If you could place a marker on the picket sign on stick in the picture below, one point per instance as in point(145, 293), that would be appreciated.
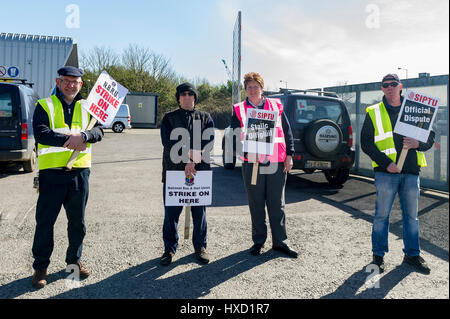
point(415, 119)
point(401, 159)
point(103, 102)
point(255, 173)
point(187, 221)
point(76, 153)
point(259, 136)
point(188, 191)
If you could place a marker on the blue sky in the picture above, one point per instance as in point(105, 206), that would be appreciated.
point(304, 43)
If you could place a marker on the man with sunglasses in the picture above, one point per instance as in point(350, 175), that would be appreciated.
point(184, 153)
point(384, 148)
point(59, 125)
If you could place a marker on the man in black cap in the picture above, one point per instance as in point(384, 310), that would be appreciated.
point(193, 156)
point(383, 146)
point(59, 124)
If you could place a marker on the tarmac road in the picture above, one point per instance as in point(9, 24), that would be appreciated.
point(330, 227)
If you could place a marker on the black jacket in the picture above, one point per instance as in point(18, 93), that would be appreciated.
point(45, 136)
point(188, 120)
point(368, 145)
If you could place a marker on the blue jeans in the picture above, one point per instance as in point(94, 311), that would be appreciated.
point(407, 187)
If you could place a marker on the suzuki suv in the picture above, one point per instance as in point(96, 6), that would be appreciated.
point(322, 133)
point(17, 104)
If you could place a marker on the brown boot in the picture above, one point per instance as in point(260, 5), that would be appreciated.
point(39, 279)
point(84, 272)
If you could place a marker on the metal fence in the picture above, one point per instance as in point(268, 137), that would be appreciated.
point(359, 96)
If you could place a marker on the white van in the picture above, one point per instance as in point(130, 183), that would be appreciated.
point(121, 121)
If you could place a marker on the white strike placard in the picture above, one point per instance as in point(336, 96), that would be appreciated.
point(417, 115)
point(188, 191)
point(259, 131)
point(105, 98)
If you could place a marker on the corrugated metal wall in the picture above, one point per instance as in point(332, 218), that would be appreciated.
point(36, 57)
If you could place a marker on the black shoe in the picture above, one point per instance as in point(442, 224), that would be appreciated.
point(286, 250)
point(255, 250)
point(379, 261)
point(166, 258)
point(417, 262)
point(202, 255)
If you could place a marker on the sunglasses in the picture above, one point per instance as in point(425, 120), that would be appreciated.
point(393, 84)
point(187, 93)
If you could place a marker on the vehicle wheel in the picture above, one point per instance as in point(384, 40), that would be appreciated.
point(30, 165)
point(118, 127)
point(323, 138)
point(337, 176)
point(228, 165)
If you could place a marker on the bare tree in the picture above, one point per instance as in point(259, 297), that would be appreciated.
point(140, 59)
point(136, 58)
point(98, 59)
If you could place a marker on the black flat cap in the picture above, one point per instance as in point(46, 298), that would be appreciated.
point(70, 71)
point(391, 77)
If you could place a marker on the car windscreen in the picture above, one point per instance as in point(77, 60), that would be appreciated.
point(309, 110)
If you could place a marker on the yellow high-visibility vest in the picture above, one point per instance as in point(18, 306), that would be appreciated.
point(384, 136)
point(53, 156)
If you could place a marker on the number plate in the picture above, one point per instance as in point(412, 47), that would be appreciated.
point(318, 164)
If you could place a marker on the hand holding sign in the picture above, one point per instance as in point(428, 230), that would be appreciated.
point(102, 103)
point(76, 143)
point(415, 121)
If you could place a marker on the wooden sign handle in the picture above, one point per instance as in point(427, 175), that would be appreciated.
point(402, 158)
point(187, 221)
point(75, 153)
point(255, 173)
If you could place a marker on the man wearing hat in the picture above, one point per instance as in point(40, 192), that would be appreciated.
point(384, 147)
point(188, 155)
point(59, 124)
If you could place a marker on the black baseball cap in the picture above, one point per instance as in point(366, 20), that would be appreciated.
point(70, 71)
point(391, 77)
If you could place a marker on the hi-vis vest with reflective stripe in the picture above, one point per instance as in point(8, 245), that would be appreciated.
point(384, 138)
point(279, 152)
point(53, 156)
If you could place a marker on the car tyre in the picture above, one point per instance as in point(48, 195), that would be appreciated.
point(30, 165)
point(337, 176)
point(231, 165)
point(228, 165)
point(118, 127)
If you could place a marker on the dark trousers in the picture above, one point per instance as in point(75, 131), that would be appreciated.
point(268, 191)
point(59, 188)
point(170, 226)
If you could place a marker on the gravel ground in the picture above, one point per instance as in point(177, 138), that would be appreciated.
point(330, 228)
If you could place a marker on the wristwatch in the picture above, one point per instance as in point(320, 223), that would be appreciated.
point(84, 136)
